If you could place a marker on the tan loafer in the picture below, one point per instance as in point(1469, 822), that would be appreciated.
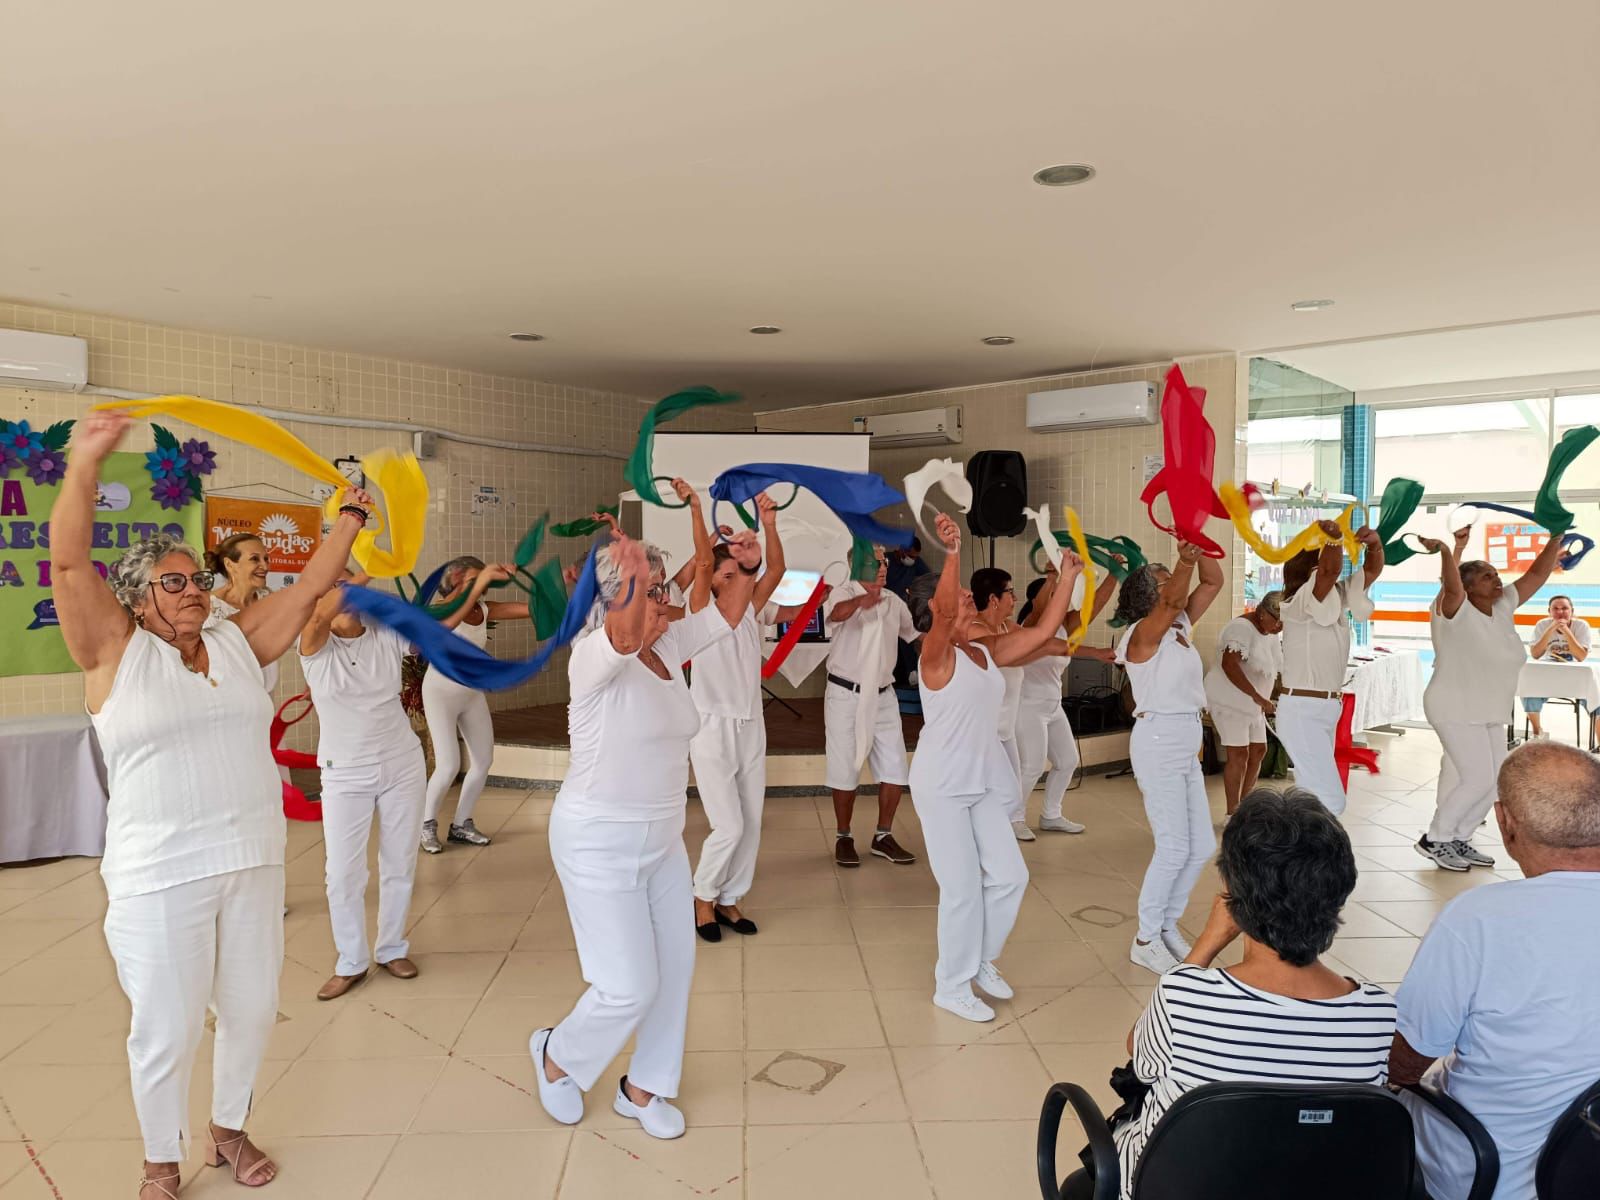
point(401, 968)
point(338, 985)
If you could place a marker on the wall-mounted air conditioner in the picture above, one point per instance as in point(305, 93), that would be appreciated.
point(43, 360)
point(930, 427)
point(1093, 407)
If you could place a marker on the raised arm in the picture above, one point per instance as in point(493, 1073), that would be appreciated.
point(1036, 613)
point(1329, 562)
point(625, 623)
point(692, 581)
point(1171, 601)
point(937, 658)
point(493, 573)
point(1372, 557)
point(314, 635)
point(1014, 647)
point(774, 565)
point(1536, 575)
point(1451, 592)
point(94, 625)
point(1207, 590)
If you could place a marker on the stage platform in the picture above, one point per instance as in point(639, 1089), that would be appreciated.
point(530, 746)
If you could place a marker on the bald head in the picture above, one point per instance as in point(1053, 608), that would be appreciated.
point(1553, 792)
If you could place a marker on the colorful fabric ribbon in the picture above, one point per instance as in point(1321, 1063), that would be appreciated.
point(1547, 506)
point(797, 628)
point(1569, 558)
point(398, 477)
point(458, 659)
point(297, 806)
point(943, 473)
point(1189, 448)
point(1052, 548)
point(1102, 551)
point(584, 526)
point(638, 469)
point(1399, 501)
point(863, 560)
point(852, 496)
point(1236, 506)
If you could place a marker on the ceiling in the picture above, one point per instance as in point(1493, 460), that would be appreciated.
point(642, 182)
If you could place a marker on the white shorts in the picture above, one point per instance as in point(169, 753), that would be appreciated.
point(888, 757)
point(1236, 727)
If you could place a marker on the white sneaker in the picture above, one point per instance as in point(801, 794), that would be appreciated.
point(1442, 853)
point(989, 980)
point(1020, 828)
point(1471, 855)
point(1174, 941)
point(1152, 956)
point(658, 1118)
point(965, 1005)
point(563, 1099)
point(430, 838)
point(1061, 825)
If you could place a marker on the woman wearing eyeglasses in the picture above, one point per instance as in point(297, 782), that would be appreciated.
point(193, 866)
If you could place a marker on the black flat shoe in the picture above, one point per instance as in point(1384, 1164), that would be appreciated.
point(709, 932)
point(742, 925)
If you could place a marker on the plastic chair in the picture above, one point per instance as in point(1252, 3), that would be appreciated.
point(1569, 1164)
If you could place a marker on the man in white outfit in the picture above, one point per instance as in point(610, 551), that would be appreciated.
point(372, 765)
point(861, 713)
point(1316, 611)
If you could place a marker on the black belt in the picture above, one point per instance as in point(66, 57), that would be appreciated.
point(850, 684)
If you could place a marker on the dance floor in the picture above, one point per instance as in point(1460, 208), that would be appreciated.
point(816, 1064)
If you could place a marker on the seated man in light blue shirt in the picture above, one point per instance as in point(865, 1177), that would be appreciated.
point(1501, 1006)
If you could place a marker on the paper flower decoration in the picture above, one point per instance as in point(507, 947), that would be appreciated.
point(165, 462)
point(198, 457)
point(8, 459)
point(174, 491)
point(23, 441)
point(47, 466)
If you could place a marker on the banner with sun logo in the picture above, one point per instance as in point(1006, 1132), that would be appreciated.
point(290, 532)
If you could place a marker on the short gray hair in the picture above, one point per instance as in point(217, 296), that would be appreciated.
point(130, 575)
point(1553, 790)
point(456, 568)
point(1471, 569)
point(608, 578)
point(1138, 593)
point(1270, 604)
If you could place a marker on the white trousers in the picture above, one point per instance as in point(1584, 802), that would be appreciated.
point(449, 707)
point(1044, 733)
point(1017, 810)
point(888, 757)
point(631, 905)
point(1307, 727)
point(214, 942)
point(393, 790)
point(981, 875)
point(1165, 750)
point(730, 772)
point(1468, 772)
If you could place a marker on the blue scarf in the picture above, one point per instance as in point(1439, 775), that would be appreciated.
point(852, 496)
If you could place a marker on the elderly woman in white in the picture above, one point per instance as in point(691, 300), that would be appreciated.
point(1239, 692)
point(195, 835)
point(616, 835)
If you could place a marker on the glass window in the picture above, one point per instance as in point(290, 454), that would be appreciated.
point(1584, 474)
point(1497, 446)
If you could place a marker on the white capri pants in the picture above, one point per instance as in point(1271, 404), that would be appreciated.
point(214, 942)
point(393, 790)
point(1307, 726)
point(1237, 727)
point(1018, 809)
point(449, 707)
point(888, 757)
point(1468, 772)
point(1165, 749)
point(631, 904)
point(730, 772)
point(981, 875)
point(1043, 732)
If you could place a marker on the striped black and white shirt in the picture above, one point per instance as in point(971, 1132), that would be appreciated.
point(1204, 1026)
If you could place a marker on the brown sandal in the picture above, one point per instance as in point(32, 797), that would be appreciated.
point(161, 1182)
point(249, 1179)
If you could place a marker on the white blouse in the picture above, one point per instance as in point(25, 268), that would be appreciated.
point(1172, 680)
point(1476, 659)
point(1261, 657)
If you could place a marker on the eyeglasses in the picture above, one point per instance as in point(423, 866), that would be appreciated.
point(1010, 591)
point(174, 582)
point(659, 592)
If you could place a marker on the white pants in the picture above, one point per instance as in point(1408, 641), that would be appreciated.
point(981, 875)
point(631, 905)
point(393, 789)
point(730, 771)
point(1018, 808)
point(888, 757)
point(1307, 726)
point(1468, 772)
point(1165, 750)
point(1044, 733)
point(214, 942)
point(448, 707)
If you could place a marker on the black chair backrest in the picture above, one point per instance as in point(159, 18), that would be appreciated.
point(1238, 1141)
point(1569, 1164)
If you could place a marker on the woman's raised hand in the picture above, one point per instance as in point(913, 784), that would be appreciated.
point(686, 493)
point(949, 532)
point(1190, 553)
point(98, 434)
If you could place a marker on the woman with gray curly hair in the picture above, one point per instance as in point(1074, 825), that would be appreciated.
point(616, 837)
point(194, 856)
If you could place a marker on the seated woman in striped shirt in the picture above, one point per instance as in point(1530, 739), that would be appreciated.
point(1279, 1016)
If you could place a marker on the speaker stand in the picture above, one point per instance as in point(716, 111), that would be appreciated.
point(991, 553)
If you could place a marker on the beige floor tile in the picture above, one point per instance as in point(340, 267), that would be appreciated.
point(1087, 1064)
point(330, 1097)
point(822, 1086)
point(20, 1022)
point(56, 980)
point(802, 968)
point(452, 934)
point(798, 1020)
point(440, 976)
point(113, 1116)
point(519, 1165)
point(390, 1027)
point(45, 1099)
point(1415, 917)
point(980, 1158)
point(1048, 964)
point(719, 968)
point(45, 876)
point(895, 926)
point(971, 1082)
point(481, 1093)
point(900, 965)
point(605, 1165)
point(465, 900)
point(1379, 960)
point(498, 1027)
point(802, 926)
point(548, 928)
point(300, 1021)
point(716, 1021)
point(95, 1031)
point(910, 1019)
point(1388, 885)
point(799, 1162)
point(309, 1168)
point(32, 934)
point(1084, 1014)
point(1365, 921)
point(816, 891)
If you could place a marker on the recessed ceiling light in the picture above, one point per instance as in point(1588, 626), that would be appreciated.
point(1311, 305)
point(999, 339)
point(765, 329)
point(1065, 175)
point(527, 337)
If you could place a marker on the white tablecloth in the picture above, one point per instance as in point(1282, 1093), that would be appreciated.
point(52, 789)
point(805, 658)
point(1387, 687)
point(1578, 681)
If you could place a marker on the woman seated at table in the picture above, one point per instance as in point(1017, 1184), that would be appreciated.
point(1561, 637)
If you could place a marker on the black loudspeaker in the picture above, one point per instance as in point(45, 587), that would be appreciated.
point(999, 480)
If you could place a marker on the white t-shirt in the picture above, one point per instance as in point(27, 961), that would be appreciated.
point(1558, 650)
point(1041, 679)
point(726, 679)
point(355, 684)
point(1173, 679)
point(1260, 656)
point(221, 610)
point(1316, 633)
point(1506, 979)
point(1476, 658)
point(1204, 1026)
point(886, 623)
point(629, 728)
